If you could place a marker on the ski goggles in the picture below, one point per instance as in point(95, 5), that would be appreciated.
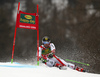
point(46, 42)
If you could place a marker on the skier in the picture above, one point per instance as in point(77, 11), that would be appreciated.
point(47, 56)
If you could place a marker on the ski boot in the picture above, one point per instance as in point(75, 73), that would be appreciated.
point(80, 69)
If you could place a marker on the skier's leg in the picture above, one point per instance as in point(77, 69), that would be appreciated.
point(58, 60)
point(64, 63)
point(70, 65)
point(50, 62)
point(53, 62)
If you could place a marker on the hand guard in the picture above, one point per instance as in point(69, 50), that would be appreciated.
point(50, 55)
point(43, 60)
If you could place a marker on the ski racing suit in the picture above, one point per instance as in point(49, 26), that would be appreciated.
point(54, 61)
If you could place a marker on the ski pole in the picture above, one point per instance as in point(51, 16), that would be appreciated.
point(77, 62)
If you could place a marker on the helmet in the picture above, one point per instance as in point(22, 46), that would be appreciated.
point(46, 40)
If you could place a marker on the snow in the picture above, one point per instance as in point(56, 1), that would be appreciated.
point(23, 70)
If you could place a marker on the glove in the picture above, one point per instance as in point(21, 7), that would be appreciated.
point(50, 55)
point(43, 60)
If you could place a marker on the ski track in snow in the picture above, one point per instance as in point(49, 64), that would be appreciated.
point(22, 70)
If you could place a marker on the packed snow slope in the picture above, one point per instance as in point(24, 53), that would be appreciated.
point(22, 70)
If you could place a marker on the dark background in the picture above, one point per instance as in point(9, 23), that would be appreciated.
point(72, 25)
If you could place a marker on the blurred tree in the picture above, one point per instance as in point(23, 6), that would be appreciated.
point(5, 38)
point(5, 29)
point(86, 29)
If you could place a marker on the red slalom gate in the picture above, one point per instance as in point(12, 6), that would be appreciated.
point(27, 21)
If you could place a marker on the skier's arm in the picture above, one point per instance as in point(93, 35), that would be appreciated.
point(52, 48)
point(40, 50)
